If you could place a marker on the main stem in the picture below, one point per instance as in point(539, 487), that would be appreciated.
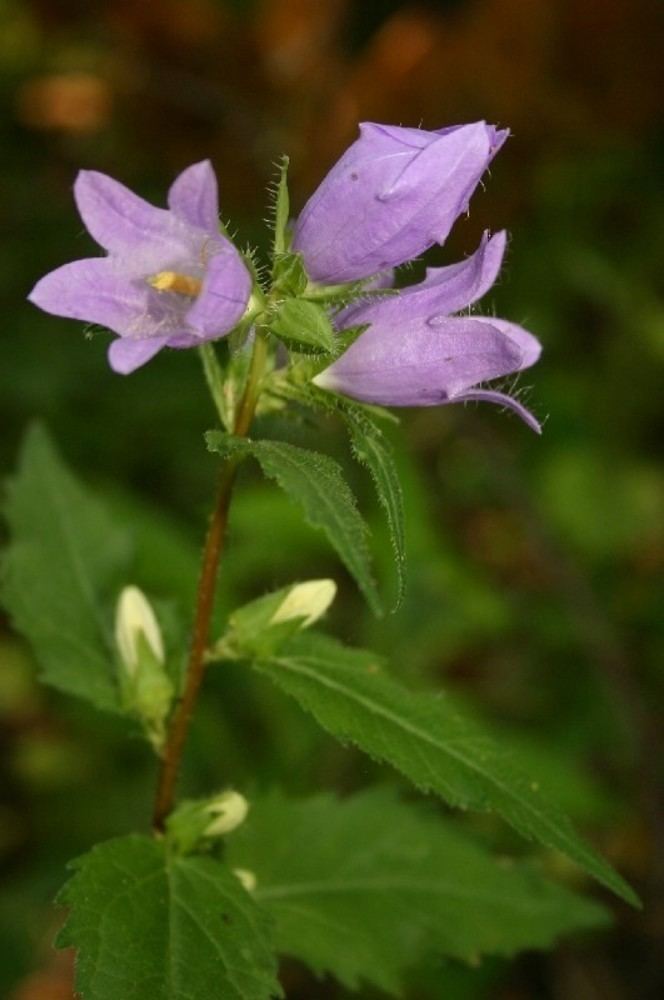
point(214, 543)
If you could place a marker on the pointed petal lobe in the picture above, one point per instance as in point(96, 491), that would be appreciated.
point(459, 285)
point(529, 345)
point(501, 399)
point(193, 196)
point(224, 295)
point(445, 290)
point(126, 354)
point(93, 290)
point(121, 222)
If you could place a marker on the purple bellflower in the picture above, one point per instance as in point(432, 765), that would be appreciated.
point(169, 279)
point(416, 352)
point(393, 194)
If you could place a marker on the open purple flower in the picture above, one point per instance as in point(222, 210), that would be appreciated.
point(417, 353)
point(394, 193)
point(170, 278)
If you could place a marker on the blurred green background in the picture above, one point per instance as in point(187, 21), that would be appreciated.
point(536, 590)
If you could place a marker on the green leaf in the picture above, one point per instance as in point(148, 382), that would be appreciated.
point(281, 210)
point(65, 563)
point(367, 888)
point(304, 326)
point(371, 448)
point(425, 738)
point(316, 482)
point(289, 274)
point(166, 927)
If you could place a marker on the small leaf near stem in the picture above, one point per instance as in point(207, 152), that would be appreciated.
point(181, 719)
point(281, 210)
point(214, 378)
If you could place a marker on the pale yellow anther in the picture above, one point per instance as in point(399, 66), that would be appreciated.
point(171, 281)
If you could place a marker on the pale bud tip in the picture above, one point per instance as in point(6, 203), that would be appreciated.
point(246, 878)
point(227, 812)
point(308, 600)
point(325, 379)
point(134, 617)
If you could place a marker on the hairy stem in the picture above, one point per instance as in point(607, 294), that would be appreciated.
point(214, 542)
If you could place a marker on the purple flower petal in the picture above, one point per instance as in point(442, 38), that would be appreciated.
point(225, 293)
point(126, 354)
point(501, 399)
point(395, 192)
point(145, 290)
point(529, 345)
point(92, 290)
point(444, 290)
point(193, 196)
point(459, 285)
point(121, 222)
point(418, 365)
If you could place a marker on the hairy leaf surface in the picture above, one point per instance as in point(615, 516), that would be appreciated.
point(304, 326)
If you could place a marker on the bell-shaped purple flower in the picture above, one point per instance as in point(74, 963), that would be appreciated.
point(417, 353)
point(170, 278)
point(394, 193)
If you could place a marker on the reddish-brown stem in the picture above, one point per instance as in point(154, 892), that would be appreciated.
point(179, 726)
point(214, 542)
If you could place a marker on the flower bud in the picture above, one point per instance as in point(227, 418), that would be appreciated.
point(260, 627)
point(246, 878)
point(228, 811)
point(394, 193)
point(134, 618)
point(308, 600)
point(145, 685)
point(414, 350)
point(197, 822)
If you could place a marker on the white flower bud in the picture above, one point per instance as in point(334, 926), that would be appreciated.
point(228, 811)
point(247, 878)
point(308, 600)
point(134, 618)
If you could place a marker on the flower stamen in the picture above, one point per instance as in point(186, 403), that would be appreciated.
point(171, 281)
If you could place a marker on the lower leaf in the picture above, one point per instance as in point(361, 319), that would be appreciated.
point(367, 888)
point(148, 924)
point(426, 738)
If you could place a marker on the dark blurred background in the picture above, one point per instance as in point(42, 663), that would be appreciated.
point(535, 564)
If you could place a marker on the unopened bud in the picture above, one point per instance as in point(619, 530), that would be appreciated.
point(228, 811)
point(247, 878)
point(135, 619)
point(196, 822)
point(308, 600)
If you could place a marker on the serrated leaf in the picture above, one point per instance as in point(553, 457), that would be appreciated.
point(149, 924)
point(315, 482)
point(425, 738)
point(367, 888)
point(304, 326)
point(372, 449)
point(66, 558)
